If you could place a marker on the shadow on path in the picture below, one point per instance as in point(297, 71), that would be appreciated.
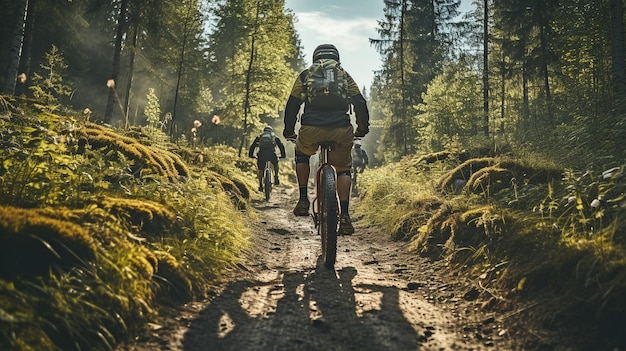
point(302, 310)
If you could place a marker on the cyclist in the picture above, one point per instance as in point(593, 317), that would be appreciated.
point(359, 158)
point(267, 143)
point(325, 124)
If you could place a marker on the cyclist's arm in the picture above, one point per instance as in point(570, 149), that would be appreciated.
point(281, 147)
point(253, 146)
point(293, 107)
point(362, 115)
point(360, 108)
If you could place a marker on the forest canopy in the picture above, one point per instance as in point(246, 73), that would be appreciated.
point(227, 64)
point(537, 76)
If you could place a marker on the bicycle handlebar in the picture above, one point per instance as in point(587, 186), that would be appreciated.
point(293, 140)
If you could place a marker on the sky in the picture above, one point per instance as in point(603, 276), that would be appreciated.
point(348, 24)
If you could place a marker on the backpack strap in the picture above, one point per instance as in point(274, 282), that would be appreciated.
point(303, 75)
point(303, 78)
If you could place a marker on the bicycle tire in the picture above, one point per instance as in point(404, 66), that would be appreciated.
point(267, 182)
point(329, 219)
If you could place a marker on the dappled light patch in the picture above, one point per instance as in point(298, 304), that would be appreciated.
point(261, 301)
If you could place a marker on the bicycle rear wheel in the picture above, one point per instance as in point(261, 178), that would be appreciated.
point(267, 182)
point(329, 219)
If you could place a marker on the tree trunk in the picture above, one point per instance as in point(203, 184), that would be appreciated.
point(486, 68)
point(181, 66)
point(617, 47)
point(131, 66)
point(246, 108)
point(15, 51)
point(402, 82)
point(27, 47)
point(544, 61)
point(525, 99)
point(115, 71)
point(502, 90)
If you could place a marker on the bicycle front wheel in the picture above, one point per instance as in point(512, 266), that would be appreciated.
point(267, 182)
point(329, 218)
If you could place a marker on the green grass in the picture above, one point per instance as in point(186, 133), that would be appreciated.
point(519, 227)
point(124, 222)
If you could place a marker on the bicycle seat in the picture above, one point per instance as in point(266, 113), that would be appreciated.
point(330, 145)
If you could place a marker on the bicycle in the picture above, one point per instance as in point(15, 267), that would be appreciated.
point(267, 179)
point(326, 205)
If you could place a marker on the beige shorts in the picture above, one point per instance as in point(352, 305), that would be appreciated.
point(309, 138)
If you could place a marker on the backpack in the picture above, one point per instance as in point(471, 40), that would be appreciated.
point(326, 85)
point(267, 140)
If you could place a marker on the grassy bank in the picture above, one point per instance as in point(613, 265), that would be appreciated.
point(518, 227)
point(99, 227)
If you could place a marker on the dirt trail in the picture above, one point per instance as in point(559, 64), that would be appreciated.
point(380, 297)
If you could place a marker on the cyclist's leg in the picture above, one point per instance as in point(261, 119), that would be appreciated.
point(341, 158)
point(306, 145)
point(344, 185)
point(275, 164)
point(260, 163)
point(358, 167)
point(344, 182)
point(302, 169)
point(302, 173)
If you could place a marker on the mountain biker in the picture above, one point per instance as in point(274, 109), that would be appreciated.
point(359, 158)
point(325, 124)
point(267, 143)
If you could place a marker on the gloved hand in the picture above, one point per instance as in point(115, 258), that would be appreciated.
point(290, 135)
point(360, 133)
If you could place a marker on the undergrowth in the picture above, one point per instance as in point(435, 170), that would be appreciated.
point(100, 227)
point(516, 227)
